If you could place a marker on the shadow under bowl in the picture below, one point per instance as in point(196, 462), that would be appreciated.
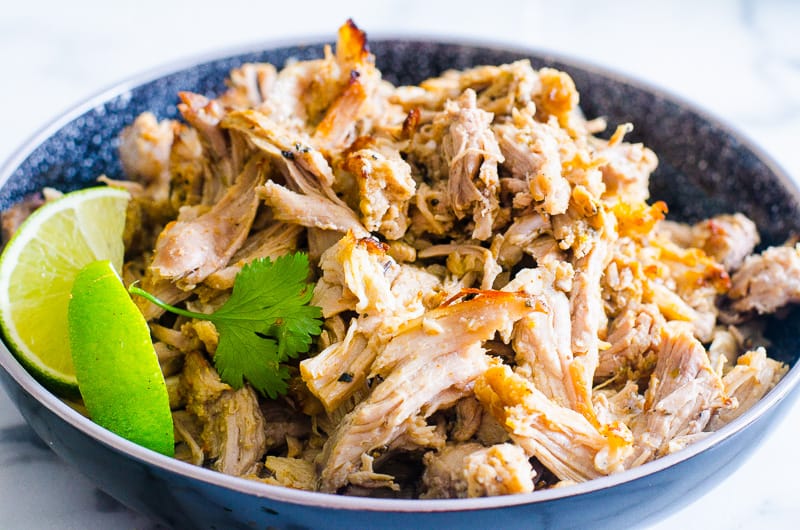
point(704, 169)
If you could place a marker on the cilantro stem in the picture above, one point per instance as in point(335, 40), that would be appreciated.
point(165, 306)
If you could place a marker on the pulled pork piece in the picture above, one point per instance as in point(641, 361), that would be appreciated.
point(472, 470)
point(531, 153)
point(490, 431)
point(618, 406)
point(272, 242)
point(305, 169)
point(472, 155)
point(337, 128)
point(144, 151)
point(587, 313)
point(519, 238)
point(462, 259)
point(341, 369)
point(500, 88)
point(692, 280)
point(626, 173)
point(359, 275)
point(361, 83)
point(309, 210)
point(633, 340)
point(189, 184)
point(729, 239)
point(187, 252)
point(429, 364)
point(295, 473)
point(541, 339)
point(233, 433)
point(767, 281)
point(205, 116)
point(188, 432)
point(384, 183)
point(502, 469)
point(562, 439)
point(444, 476)
point(356, 276)
point(432, 214)
point(416, 432)
point(725, 348)
point(451, 328)
point(684, 392)
point(469, 414)
point(581, 225)
point(420, 385)
point(753, 376)
point(308, 198)
point(558, 97)
point(182, 340)
point(249, 85)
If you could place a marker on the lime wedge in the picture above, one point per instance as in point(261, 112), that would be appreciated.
point(117, 368)
point(37, 269)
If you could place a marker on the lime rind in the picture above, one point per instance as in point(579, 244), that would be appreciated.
point(118, 372)
point(37, 269)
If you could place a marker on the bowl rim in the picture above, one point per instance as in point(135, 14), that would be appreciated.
point(350, 503)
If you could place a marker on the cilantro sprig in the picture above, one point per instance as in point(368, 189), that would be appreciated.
point(266, 321)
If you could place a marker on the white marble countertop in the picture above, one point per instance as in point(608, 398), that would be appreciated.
point(740, 60)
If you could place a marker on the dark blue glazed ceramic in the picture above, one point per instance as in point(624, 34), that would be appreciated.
point(704, 169)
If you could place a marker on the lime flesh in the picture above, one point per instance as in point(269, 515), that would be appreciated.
point(117, 369)
point(37, 269)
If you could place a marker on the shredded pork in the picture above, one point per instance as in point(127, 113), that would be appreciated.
point(502, 306)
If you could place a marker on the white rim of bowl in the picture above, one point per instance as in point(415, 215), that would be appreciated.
point(342, 502)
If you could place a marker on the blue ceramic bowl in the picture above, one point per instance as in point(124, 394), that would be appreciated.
point(704, 169)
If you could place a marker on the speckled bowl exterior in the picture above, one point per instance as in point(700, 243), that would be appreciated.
point(704, 169)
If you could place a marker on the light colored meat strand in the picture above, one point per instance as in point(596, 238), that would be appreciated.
point(472, 470)
point(767, 281)
point(683, 393)
point(451, 328)
point(754, 375)
point(634, 332)
point(233, 425)
point(563, 440)
point(542, 339)
point(309, 210)
point(531, 153)
point(627, 170)
point(472, 155)
point(144, 151)
point(462, 259)
point(430, 362)
point(272, 242)
point(587, 314)
point(502, 469)
point(385, 187)
point(341, 369)
point(418, 386)
point(356, 275)
point(729, 239)
point(443, 477)
point(187, 252)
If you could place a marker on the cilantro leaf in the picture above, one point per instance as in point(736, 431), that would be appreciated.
point(266, 321)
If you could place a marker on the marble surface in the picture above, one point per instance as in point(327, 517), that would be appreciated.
point(739, 60)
